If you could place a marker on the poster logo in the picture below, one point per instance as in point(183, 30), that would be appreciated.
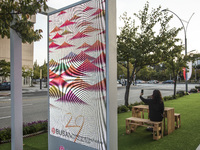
point(53, 130)
point(61, 148)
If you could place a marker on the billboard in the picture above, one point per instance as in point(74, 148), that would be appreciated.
point(77, 75)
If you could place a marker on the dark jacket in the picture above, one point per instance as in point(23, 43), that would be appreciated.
point(156, 109)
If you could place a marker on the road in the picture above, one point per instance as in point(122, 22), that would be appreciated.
point(35, 104)
point(166, 90)
point(35, 107)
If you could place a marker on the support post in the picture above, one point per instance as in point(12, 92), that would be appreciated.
point(16, 91)
point(40, 78)
point(112, 134)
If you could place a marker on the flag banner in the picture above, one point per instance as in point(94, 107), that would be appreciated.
point(77, 74)
point(189, 71)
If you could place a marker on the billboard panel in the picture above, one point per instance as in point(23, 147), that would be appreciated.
point(77, 74)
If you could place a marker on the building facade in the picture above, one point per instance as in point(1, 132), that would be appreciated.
point(27, 51)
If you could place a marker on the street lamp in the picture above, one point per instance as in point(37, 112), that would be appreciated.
point(185, 32)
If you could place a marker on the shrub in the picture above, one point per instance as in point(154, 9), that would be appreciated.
point(180, 93)
point(166, 98)
point(5, 134)
point(122, 108)
point(197, 87)
point(193, 91)
point(28, 128)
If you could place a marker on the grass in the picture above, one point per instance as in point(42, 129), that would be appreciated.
point(185, 138)
point(39, 142)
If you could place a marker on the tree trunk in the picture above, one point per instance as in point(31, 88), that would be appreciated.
point(175, 81)
point(127, 93)
point(175, 88)
point(127, 85)
point(129, 81)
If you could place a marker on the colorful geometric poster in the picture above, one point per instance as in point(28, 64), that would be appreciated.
point(77, 74)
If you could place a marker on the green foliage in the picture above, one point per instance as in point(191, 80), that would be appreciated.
point(172, 97)
point(180, 93)
point(5, 134)
point(198, 66)
point(166, 98)
point(36, 70)
point(17, 15)
point(28, 128)
point(26, 72)
point(197, 87)
point(135, 104)
point(143, 46)
point(4, 68)
point(185, 138)
point(44, 69)
point(121, 71)
point(193, 90)
point(122, 108)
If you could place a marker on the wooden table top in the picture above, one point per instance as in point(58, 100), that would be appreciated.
point(147, 107)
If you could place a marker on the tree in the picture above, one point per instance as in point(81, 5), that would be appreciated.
point(175, 63)
point(198, 66)
point(142, 45)
point(44, 70)
point(4, 69)
point(36, 70)
point(26, 72)
point(121, 71)
point(23, 10)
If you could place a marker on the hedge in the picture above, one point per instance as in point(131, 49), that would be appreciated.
point(28, 128)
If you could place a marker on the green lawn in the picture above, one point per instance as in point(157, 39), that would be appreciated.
point(185, 138)
point(39, 142)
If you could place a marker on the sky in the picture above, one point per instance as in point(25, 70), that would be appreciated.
point(184, 10)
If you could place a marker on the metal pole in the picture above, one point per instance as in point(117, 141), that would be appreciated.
point(186, 83)
point(195, 73)
point(16, 90)
point(40, 78)
point(185, 31)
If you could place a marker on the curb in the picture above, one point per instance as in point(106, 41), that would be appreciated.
point(4, 94)
point(25, 136)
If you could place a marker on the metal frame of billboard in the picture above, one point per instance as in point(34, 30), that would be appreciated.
point(111, 110)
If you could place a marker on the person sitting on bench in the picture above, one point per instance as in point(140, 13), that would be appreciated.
point(156, 106)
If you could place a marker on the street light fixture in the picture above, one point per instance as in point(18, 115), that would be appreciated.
point(185, 32)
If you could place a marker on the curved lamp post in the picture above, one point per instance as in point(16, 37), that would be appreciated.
point(185, 32)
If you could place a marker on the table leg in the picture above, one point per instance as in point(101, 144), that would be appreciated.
point(170, 121)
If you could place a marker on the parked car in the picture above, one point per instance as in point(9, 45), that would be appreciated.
point(140, 81)
point(5, 86)
point(168, 82)
point(153, 81)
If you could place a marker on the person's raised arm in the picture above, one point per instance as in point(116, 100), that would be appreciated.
point(146, 101)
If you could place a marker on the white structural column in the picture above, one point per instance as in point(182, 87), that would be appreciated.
point(16, 91)
point(112, 129)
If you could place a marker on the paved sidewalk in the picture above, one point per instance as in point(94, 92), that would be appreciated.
point(25, 89)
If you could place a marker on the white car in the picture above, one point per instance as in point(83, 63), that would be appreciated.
point(140, 81)
point(153, 81)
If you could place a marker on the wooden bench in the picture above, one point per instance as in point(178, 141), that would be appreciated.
point(177, 120)
point(133, 122)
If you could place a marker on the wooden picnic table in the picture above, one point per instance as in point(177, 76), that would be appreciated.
point(139, 110)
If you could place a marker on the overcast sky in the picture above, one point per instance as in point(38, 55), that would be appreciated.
point(183, 8)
